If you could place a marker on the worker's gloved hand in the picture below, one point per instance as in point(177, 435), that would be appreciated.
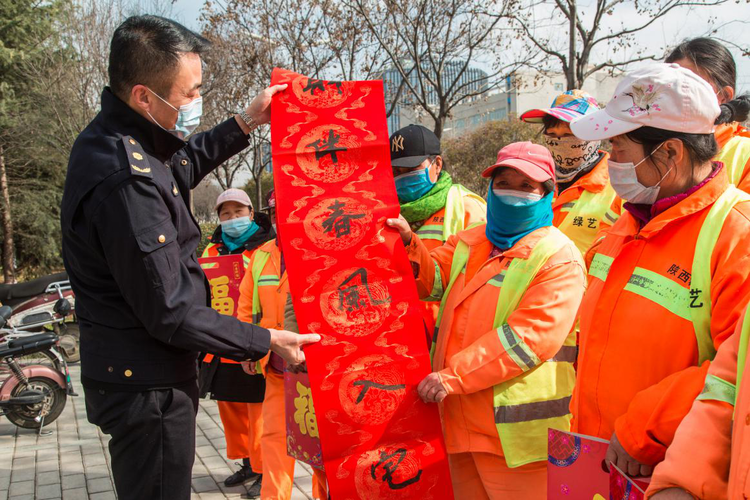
point(289, 345)
point(431, 390)
point(622, 459)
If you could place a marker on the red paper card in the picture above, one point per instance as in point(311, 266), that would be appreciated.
point(576, 468)
point(224, 274)
point(302, 437)
point(621, 487)
point(351, 282)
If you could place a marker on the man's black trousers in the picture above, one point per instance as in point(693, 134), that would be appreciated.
point(153, 439)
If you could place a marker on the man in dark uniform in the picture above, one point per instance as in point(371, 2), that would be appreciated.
point(129, 244)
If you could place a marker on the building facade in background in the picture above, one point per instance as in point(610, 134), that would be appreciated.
point(512, 97)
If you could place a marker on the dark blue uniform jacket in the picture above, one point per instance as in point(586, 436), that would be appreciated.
point(129, 242)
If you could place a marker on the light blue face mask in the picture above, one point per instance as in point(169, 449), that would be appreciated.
point(234, 228)
point(413, 185)
point(188, 116)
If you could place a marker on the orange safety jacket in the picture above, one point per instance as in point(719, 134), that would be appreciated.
point(470, 355)
point(710, 454)
point(734, 152)
point(272, 287)
point(432, 235)
point(639, 367)
point(587, 208)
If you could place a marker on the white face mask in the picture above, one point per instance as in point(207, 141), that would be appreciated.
point(624, 180)
point(188, 116)
point(516, 198)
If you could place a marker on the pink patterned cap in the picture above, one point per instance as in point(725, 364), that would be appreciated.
point(661, 95)
point(566, 107)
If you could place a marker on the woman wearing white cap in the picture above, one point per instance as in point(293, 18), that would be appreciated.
point(665, 283)
point(711, 60)
point(239, 395)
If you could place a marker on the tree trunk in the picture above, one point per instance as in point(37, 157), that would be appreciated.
point(258, 169)
point(572, 63)
point(9, 270)
point(439, 124)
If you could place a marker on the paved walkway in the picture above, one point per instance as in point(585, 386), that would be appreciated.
point(71, 460)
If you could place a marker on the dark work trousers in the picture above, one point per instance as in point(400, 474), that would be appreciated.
point(153, 439)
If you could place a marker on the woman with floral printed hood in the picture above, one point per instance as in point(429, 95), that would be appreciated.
point(585, 201)
point(665, 282)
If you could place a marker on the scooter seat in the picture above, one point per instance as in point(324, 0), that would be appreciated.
point(9, 293)
point(28, 345)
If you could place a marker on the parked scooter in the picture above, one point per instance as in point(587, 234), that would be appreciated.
point(36, 309)
point(32, 396)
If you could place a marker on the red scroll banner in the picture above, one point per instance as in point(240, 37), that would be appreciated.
point(352, 283)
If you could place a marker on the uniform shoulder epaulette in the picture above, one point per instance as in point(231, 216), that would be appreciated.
point(136, 157)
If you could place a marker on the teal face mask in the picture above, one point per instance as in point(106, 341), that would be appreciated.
point(188, 116)
point(234, 228)
point(511, 215)
point(413, 185)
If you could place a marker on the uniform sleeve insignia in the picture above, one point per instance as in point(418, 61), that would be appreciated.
point(146, 170)
point(138, 160)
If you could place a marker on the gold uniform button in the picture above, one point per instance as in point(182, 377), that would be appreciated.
point(132, 141)
point(110, 369)
point(137, 156)
point(175, 191)
point(128, 373)
point(162, 238)
point(183, 162)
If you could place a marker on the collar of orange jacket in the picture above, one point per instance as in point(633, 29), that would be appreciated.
point(726, 131)
point(595, 181)
point(704, 197)
point(477, 241)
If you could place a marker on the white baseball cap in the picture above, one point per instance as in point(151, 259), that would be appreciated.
point(233, 194)
point(661, 95)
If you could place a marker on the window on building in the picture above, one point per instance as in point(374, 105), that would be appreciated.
point(460, 123)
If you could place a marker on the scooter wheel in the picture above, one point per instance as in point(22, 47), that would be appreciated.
point(51, 407)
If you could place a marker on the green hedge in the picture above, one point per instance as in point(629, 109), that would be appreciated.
point(207, 229)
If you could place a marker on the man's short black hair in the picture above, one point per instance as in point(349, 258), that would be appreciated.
point(146, 50)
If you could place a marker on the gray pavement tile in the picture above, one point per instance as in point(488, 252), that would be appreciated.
point(44, 478)
point(96, 472)
point(21, 475)
point(21, 488)
point(21, 497)
point(74, 481)
point(99, 485)
point(76, 494)
point(108, 495)
point(94, 459)
point(3, 494)
point(206, 451)
point(48, 491)
point(48, 465)
point(204, 484)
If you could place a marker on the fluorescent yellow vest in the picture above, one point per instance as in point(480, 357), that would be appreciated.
point(539, 399)
point(588, 206)
point(455, 215)
point(734, 155)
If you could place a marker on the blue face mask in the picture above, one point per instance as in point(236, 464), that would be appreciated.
point(235, 232)
point(412, 186)
point(511, 215)
point(188, 116)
